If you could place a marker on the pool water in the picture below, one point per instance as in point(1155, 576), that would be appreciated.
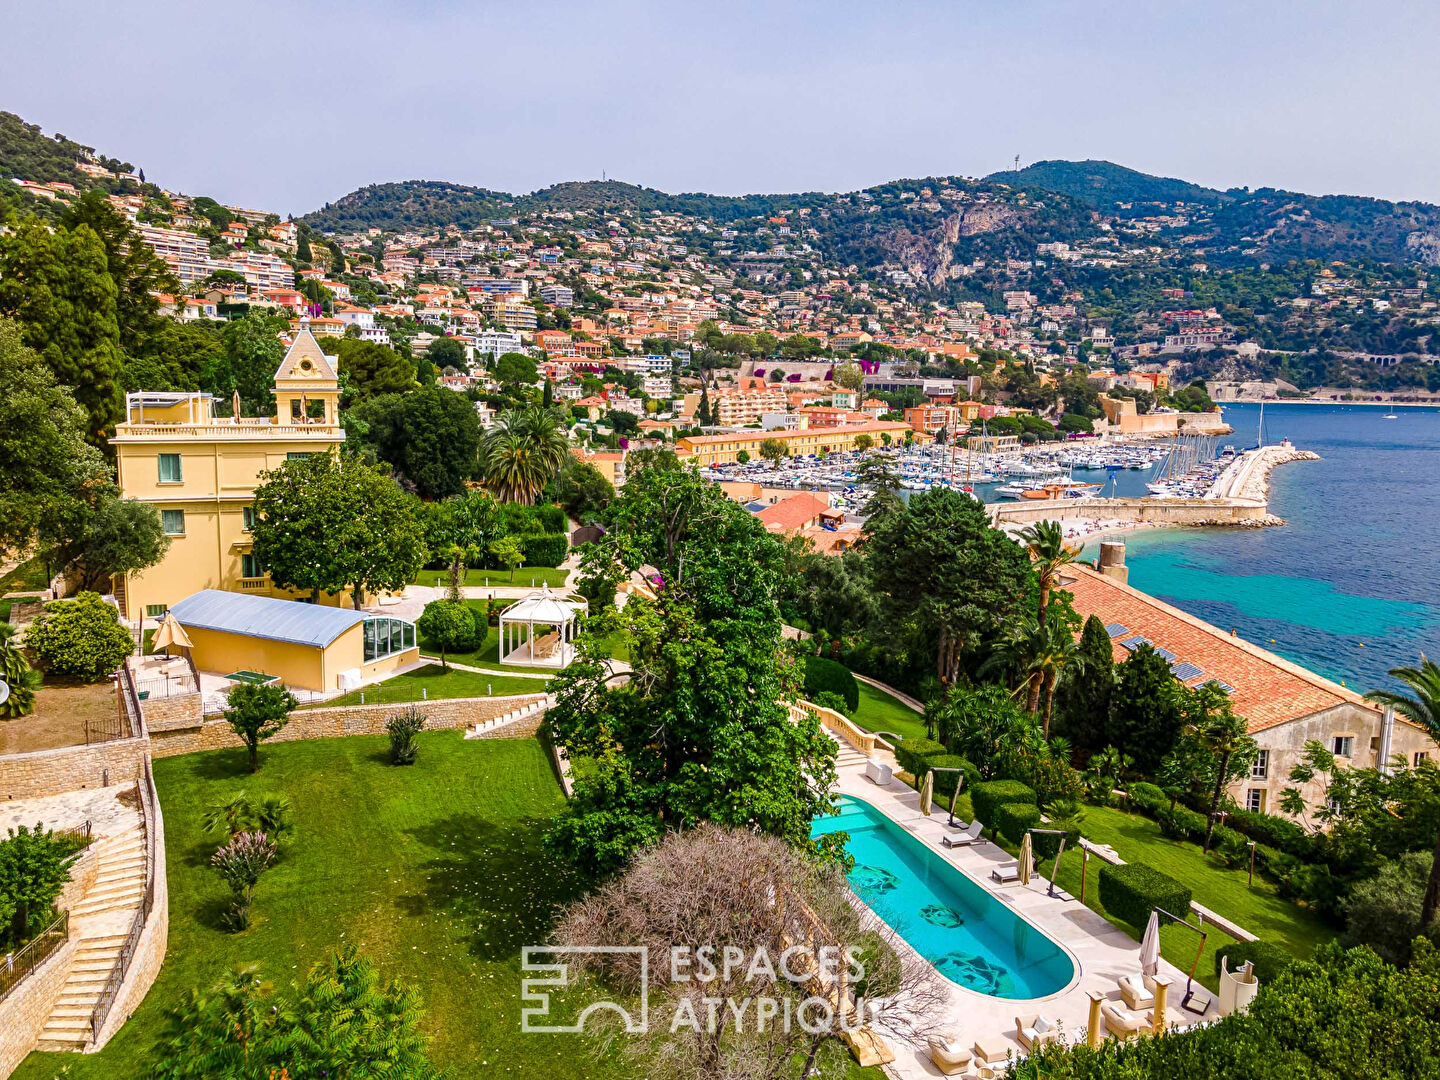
point(971, 937)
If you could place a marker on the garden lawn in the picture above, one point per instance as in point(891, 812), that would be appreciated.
point(29, 576)
point(436, 871)
point(526, 577)
point(879, 711)
point(1257, 909)
point(433, 682)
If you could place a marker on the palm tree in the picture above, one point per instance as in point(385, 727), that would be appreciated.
point(1423, 710)
point(1045, 540)
point(521, 451)
point(1040, 653)
point(1225, 737)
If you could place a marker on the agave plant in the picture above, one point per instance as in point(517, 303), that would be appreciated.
point(16, 672)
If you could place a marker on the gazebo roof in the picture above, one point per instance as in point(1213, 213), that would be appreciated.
point(542, 607)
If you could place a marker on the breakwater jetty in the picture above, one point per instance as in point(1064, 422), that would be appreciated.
point(1239, 498)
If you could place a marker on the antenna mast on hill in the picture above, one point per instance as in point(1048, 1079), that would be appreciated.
point(1017, 162)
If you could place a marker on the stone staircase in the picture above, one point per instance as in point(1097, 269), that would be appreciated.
point(514, 716)
point(101, 922)
point(847, 756)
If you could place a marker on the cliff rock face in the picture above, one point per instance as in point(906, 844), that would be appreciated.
point(929, 255)
point(1424, 245)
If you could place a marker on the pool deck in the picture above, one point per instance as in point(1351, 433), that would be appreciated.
point(1102, 953)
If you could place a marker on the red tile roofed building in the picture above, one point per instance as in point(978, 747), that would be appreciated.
point(794, 513)
point(1284, 704)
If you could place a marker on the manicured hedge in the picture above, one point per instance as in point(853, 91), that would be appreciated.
point(1276, 832)
point(1180, 823)
point(1130, 891)
point(547, 550)
point(911, 754)
point(1146, 797)
point(1014, 820)
point(480, 616)
point(822, 674)
point(551, 518)
point(945, 781)
point(988, 797)
point(1269, 960)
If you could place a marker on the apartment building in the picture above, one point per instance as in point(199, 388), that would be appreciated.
point(737, 408)
point(561, 296)
point(805, 442)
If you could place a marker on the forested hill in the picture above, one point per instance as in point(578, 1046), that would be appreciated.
point(431, 204)
point(1102, 183)
point(27, 153)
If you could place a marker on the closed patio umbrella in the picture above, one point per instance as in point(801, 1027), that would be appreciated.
point(1150, 947)
point(170, 634)
point(927, 793)
point(1026, 859)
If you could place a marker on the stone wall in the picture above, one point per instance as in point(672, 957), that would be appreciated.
point(521, 729)
point(341, 720)
point(70, 768)
point(1158, 511)
point(82, 879)
point(179, 710)
point(26, 1008)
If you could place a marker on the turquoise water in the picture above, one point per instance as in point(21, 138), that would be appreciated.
point(1349, 586)
point(972, 938)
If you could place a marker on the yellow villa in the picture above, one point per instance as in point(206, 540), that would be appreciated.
point(200, 471)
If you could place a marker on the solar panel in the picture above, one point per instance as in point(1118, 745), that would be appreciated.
point(1115, 629)
point(1222, 685)
point(1133, 643)
point(1164, 654)
point(1185, 671)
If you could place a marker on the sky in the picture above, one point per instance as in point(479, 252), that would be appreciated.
point(285, 106)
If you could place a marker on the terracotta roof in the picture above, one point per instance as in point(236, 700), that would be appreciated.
point(1268, 689)
point(793, 513)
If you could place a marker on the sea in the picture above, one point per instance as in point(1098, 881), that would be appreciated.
point(1349, 587)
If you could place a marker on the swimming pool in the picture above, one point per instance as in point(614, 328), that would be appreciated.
point(971, 937)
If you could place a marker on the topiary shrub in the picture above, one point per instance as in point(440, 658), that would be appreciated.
point(828, 699)
point(1146, 798)
point(1269, 960)
point(1014, 820)
point(549, 549)
point(945, 781)
point(480, 617)
point(1130, 891)
point(988, 797)
point(822, 674)
point(911, 754)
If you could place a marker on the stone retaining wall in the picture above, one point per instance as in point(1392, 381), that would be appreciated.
point(1157, 511)
point(179, 710)
point(26, 1008)
point(70, 768)
point(326, 723)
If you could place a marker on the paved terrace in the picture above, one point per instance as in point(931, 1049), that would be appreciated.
point(1102, 952)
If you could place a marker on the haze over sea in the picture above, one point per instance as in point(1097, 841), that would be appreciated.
point(1350, 586)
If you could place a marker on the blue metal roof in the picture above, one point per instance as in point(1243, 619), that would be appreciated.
point(265, 617)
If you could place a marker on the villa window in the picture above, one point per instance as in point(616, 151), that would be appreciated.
point(1421, 755)
point(298, 455)
point(386, 637)
point(170, 469)
point(1343, 746)
point(1261, 769)
point(1255, 800)
point(250, 566)
point(247, 518)
point(156, 611)
point(172, 522)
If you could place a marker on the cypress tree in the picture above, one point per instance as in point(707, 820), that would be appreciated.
point(1085, 693)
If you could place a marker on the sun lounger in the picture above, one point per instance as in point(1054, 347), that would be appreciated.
point(965, 837)
point(949, 1056)
point(1006, 872)
point(1137, 992)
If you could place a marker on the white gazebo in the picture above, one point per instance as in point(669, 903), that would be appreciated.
point(554, 615)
